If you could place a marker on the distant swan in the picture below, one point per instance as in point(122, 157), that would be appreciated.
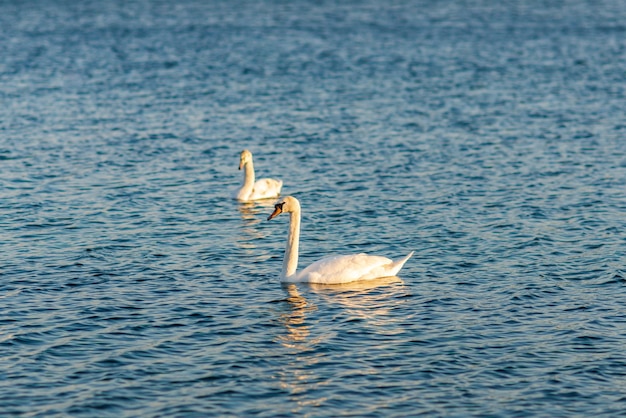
point(332, 269)
point(251, 190)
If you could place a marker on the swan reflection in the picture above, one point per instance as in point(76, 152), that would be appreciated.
point(372, 300)
point(294, 320)
point(359, 286)
point(369, 299)
point(251, 215)
point(253, 212)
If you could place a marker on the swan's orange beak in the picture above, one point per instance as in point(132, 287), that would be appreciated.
point(240, 164)
point(278, 209)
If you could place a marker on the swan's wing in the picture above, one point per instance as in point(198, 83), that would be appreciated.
point(347, 268)
point(266, 188)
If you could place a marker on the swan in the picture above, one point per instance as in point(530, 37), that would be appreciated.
point(251, 190)
point(335, 269)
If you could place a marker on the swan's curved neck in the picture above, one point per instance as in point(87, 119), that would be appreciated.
point(248, 179)
point(290, 263)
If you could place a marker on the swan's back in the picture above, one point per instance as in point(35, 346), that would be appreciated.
point(349, 268)
point(266, 189)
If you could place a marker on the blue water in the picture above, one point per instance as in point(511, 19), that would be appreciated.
point(488, 136)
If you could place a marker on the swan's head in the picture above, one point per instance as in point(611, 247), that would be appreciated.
point(287, 204)
point(244, 158)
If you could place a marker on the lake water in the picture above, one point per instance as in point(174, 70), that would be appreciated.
point(487, 136)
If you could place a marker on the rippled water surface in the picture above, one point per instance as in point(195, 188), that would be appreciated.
point(488, 136)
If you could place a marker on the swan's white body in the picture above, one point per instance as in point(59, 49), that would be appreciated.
point(255, 190)
point(334, 269)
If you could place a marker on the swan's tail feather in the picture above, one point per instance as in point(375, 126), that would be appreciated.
point(397, 265)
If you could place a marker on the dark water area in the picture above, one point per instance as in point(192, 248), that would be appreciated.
point(489, 137)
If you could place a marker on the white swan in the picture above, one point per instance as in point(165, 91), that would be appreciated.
point(251, 190)
point(334, 269)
